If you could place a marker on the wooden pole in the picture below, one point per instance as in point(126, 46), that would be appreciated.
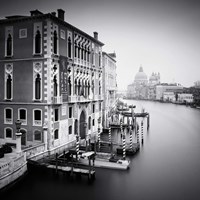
point(142, 137)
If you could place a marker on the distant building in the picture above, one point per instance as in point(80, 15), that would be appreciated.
point(51, 76)
point(162, 88)
point(169, 97)
point(185, 98)
point(141, 88)
point(109, 85)
point(197, 84)
point(138, 89)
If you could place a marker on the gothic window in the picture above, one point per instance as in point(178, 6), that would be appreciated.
point(88, 57)
point(82, 52)
point(93, 108)
point(55, 43)
point(75, 53)
point(88, 88)
point(9, 87)
point(56, 134)
point(9, 45)
point(8, 81)
point(75, 90)
point(55, 86)
point(38, 87)
point(69, 47)
point(37, 81)
point(38, 42)
point(93, 122)
point(8, 133)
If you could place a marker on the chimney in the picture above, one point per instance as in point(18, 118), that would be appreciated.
point(95, 35)
point(61, 14)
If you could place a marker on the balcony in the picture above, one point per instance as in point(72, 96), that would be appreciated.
point(72, 99)
point(58, 100)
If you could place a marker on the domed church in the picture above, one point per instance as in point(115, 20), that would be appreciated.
point(141, 88)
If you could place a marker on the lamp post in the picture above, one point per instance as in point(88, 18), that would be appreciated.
point(18, 136)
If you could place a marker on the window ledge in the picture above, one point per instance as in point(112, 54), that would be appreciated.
point(8, 56)
point(37, 54)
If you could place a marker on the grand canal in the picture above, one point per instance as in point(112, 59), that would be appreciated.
point(166, 168)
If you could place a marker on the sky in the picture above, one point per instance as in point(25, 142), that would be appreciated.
point(159, 35)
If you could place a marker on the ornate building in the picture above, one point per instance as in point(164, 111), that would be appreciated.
point(109, 85)
point(52, 80)
point(138, 89)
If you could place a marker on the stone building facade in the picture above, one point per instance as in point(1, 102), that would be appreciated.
point(109, 86)
point(51, 76)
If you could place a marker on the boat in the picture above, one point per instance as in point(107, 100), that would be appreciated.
point(103, 160)
point(13, 166)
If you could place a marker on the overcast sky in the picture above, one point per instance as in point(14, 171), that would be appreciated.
point(161, 35)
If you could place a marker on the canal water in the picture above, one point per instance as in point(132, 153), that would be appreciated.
point(167, 166)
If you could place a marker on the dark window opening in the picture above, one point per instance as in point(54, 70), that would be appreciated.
point(69, 47)
point(56, 134)
point(8, 114)
point(9, 45)
point(70, 112)
point(55, 86)
point(70, 130)
point(55, 43)
point(56, 115)
point(8, 133)
point(37, 135)
point(37, 115)
point(22, 114)
point(38, 42)
point(37, 87)
point(9, 87)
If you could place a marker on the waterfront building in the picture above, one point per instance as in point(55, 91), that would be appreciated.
point(169, 97)
point(154, 80)
point(109, 86)
point(164, 87)
point(185, 98)
point(51, 76)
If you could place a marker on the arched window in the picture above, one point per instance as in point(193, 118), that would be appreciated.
point(38, 42)
point(56, 134)
point(75, 53)
point(70, 130)
point(69, 47)
point(8, 133)
point(75, 89)
point(9, 45)
point(82, 52)
point(55, 42)
point(37, 135)
point(9, 87)
point(38, 87)
point(89, 123)
point(22, 115)
point(55, 86)
point(88, 88)
point(99, 59)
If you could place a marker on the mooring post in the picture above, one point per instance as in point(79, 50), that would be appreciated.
point(124, 146)
point(77, 147)
point(131, 138)
point(109, 132)
point(136, 128)
point(142, 137)
point(138, 140)
point(148, 121)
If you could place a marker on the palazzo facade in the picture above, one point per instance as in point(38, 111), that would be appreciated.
point(51, 79)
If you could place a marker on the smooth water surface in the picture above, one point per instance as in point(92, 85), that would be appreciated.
point(166, 168)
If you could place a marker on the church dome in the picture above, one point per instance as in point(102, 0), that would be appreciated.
point(140, 76)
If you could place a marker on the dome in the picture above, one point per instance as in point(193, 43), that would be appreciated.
point(141, 76)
